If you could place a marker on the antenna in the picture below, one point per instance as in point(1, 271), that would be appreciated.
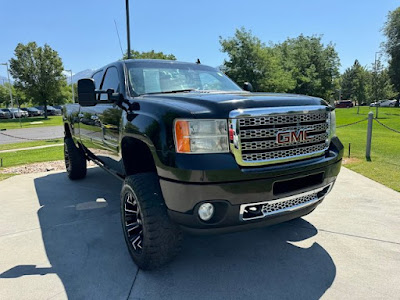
point(119, 39)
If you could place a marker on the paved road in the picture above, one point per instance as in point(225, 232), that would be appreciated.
point(57, 241)
point(39, 133)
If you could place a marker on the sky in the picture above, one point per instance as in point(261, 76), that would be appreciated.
point(84, 34)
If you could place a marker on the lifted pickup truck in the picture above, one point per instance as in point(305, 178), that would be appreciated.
point(196, 152)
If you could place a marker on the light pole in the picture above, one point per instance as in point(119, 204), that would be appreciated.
point(72, 87)
point(376, 84)
point(9, 82)
point(128, 32)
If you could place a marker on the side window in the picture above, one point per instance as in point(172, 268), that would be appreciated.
point(111, 81)
point(97, 79)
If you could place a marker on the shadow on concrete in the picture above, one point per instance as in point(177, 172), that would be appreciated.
point(258, 264)
point(82, 235)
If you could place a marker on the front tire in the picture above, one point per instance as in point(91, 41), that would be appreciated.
point(152, 238)
point(75, 160)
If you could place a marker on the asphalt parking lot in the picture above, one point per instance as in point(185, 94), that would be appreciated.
point(23, 134)
point(61, 239)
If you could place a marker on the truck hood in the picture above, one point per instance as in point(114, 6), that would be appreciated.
point(219, 104)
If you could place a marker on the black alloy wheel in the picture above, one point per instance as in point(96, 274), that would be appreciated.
point(151, 237)
point(133, 221)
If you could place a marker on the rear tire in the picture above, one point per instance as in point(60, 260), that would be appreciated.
point(75, 160)
point(152, 238)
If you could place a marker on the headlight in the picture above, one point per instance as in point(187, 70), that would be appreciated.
point(201, 136)
point(332, 124)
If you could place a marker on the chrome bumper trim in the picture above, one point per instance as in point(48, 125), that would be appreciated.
point(259, 210)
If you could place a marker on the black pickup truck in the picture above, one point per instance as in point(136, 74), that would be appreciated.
point(197, 153)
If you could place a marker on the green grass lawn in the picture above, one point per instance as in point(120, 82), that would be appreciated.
point(26, 122)
point(23, 157)
point(384, 166)
point(30, 144)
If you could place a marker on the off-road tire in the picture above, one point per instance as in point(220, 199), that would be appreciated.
point(75, 160)
point(152, 238)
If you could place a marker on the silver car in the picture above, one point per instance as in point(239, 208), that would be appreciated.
point(384, 103)
point(5, 114)
point(19, 113)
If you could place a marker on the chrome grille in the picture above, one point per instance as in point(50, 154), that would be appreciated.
point(271, 132)
point(271, 144)
point(259, 210)
point(272, 207)
point(254, 134)
point(283, 119)
point(283, 153)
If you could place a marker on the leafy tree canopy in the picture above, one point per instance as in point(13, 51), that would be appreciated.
point(300, 65)
point(392, 46)
point(251, 60)
point(363, 85)
point(37, 72)
point(4, 96)
point(149, 55)
point(313, 65)
point(19, 97)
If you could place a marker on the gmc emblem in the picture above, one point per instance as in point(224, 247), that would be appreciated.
point(291, 136)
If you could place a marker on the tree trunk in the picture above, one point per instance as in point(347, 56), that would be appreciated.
point(45, 109)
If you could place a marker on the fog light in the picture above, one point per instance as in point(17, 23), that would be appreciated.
point(206, 211)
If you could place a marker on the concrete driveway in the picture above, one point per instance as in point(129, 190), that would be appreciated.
point(61, 239)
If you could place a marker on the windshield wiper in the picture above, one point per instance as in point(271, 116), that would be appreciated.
point(171, 92)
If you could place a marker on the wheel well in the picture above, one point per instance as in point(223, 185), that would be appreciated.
point(137, 157)
point(67, 130)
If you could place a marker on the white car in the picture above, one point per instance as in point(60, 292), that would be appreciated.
point(19, 113)
point(384, 103)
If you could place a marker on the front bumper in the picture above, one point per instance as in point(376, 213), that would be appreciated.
point(231, 199)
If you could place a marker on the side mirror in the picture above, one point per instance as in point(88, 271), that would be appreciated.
point(247, 86)
point(86, 93)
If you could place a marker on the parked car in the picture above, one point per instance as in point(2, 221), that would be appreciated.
point(384, 103)
point(20, 112)
point(51, 111)
point(16, 112)
point(5, 114)
point(344, 104)
point(32, 111)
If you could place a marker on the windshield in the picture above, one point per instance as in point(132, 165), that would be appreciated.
point(149, 77)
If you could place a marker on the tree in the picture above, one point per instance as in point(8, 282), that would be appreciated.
point(381, 86)
point(356, 82)
point(63, 96)
point(149, 55)
point(251, 60)
point(4, 96)
point(392, 46)
point(19, 97)
point(301, 65)
point(38, 72)
point(314, 66)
